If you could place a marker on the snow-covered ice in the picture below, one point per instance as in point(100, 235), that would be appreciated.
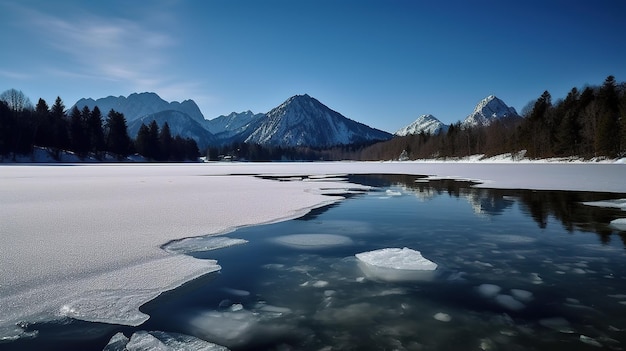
point(86, 241)
point(395, 264)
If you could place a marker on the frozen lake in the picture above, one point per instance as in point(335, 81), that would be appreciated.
point(514, 267)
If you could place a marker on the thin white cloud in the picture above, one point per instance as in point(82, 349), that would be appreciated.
point(96, 47)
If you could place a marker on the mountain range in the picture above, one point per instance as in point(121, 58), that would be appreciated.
point(299, 121)
point(486, 112)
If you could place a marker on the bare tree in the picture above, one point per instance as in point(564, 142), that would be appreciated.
point(16, 100)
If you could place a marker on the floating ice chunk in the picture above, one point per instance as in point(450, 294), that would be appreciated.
point(394, 264)
point(390, 192)
point(619, 224)
point(488, 290)
point(313, 241)
point(508, 302)
point(237, 329)
point(617, 203)
point(557, 323)
point(118, 342)
point(510, 239)
point(236, 292)
point(320, 284)
point(522, 295)
point(236, 307)
point(202, 243)
point(590, 341)
point(159, 341)
point(442, 317)
point(535, 278)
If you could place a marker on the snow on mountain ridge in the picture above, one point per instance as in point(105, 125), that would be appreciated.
point(425, 123)
point(488, 110)
point(138, 105)
point(303, 120)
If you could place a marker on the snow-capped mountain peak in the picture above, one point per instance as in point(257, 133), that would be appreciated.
point(303, 120)
point(424, 123)
point(488, 110)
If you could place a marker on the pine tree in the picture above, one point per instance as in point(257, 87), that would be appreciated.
point(165, 142)
point(116, 136)
point(78, 135)
point(43, 127)
point(141, 142)
point(607, 136)
point(95, 131)
point(59, 127)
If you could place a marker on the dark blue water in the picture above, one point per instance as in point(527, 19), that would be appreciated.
point(517, 270)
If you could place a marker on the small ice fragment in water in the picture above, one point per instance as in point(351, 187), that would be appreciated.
point(619, 224)
point(236, 307)
point(236, 292)
point(442, 317)
point(118, 342)
point(557, 323)
point(390, 192)
point(522, 295)
point(507, 301)
point(536, 279)
point(590, 341)
point(395, 265)
point(488, 290)
point(313, 241)
point(157, 340)
point(202, 243)
point(320, 284)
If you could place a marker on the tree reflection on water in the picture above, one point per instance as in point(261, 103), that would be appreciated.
point(565, 206)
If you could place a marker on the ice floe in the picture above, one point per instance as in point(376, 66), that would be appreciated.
point(617, 203)
point(488, 290)
point(619, 224)
point(160, 341)
point(313, 241)
point(239, 327)
point(559, 324)
point(395, 264)
point(442, 317)
point(508, 302)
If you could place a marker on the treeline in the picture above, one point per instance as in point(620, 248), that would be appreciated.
point(22, 127)
point(588, 123)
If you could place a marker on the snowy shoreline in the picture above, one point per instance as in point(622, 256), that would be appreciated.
point(85, 240)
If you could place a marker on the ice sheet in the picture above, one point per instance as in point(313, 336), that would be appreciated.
point(74, 234)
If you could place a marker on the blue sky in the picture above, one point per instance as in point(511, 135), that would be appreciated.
point(382, 63)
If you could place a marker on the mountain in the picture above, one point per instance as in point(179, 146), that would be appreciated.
point(488, 110)
point(180, 124)
point(424, 123)
point(304, 121)
point(233, 125)
point(138, 105)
